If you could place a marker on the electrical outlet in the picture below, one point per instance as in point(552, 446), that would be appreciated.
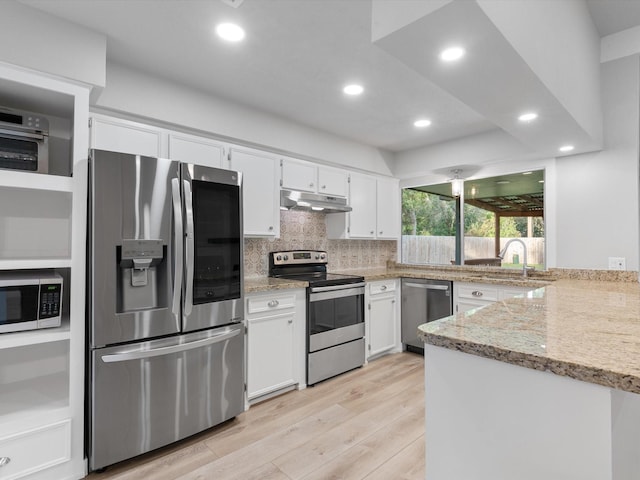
point(617, 263)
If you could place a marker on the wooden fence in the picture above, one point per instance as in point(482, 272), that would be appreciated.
point(442, 250)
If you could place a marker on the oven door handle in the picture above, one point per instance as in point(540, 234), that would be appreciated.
point(337, 287)
point(332, 294)
point(20, 134)
point(427, 286)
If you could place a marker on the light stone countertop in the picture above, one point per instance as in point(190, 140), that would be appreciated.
point(266, 284)
point(476, 275)
point(584, 329)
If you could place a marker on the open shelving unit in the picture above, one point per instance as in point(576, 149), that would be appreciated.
point(43, 219)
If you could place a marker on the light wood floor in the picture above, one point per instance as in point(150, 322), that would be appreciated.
point(365, 424)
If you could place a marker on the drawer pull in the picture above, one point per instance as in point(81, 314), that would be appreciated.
point(383, 287)
point(4, 461)
point(476, 293)
point(273, 303)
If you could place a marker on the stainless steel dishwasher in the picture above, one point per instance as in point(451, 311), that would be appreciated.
point(423, 301)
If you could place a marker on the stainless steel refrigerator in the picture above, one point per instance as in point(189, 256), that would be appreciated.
point(165, 314)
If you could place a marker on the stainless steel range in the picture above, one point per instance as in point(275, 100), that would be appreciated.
point(335, 312)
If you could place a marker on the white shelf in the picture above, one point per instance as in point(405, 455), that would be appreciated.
point(42, 396)
point(34, 337)
point(37, 181)
point(19, 264)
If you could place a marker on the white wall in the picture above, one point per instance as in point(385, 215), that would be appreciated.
point(141, 95)
point(34, 39)
point(598, 192)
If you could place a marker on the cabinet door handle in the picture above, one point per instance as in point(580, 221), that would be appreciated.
point(476, 293)
point(380, 232)
point(4, 461)
point(270, 228)
point(273, 303)
point(324, 186)
point(311, 184)
point(371, 232)
point(291, 320)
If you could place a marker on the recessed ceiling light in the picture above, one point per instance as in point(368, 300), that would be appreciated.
point(527, 173)
point(566, 148)
point(540, 181)
point(230, 32)
point(502, 182)
point(353, 89)
point(423, 122)
point(452, 54)
point(527, 117)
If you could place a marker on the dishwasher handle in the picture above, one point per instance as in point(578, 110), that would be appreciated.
point(427, 286)
point(137, 355)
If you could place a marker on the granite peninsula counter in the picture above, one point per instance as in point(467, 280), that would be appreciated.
point(543, 385)
point(587, 330)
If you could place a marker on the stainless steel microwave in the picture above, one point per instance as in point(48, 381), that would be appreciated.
point(24, 141)
point(30, 300)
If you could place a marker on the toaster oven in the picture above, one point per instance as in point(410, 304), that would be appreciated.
point(24, 141)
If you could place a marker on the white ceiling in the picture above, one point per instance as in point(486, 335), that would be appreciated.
point(296, 58)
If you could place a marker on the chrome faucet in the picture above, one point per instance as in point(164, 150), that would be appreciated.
point(524, 248)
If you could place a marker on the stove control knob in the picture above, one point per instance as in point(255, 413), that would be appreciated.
point(286, 257)
point(317, 256)
point(279, 257)
point(322, 256)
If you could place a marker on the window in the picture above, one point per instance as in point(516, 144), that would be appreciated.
point(473, 228)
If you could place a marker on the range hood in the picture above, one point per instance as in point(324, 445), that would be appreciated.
point(316, 202)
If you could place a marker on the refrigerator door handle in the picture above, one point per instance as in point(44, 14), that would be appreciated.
point(156, 352)
point(189, 248)
point(177, 240)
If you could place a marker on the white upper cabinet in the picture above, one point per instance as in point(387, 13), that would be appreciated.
point(261, 190)
point(308, 177)
point(196, 150)
point(117, 135)
point(300, 176)
point(375, 203)
point(362, 221)
point(388, 208)
point(333, 181)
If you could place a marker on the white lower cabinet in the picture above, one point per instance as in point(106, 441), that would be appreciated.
point(382, 317)
point(31, 451)
point(275, 342)
point(474, 295)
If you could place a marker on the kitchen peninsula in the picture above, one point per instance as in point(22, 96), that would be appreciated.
point(545, 385)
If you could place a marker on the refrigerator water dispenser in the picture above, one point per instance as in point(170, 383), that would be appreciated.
point(139, 279)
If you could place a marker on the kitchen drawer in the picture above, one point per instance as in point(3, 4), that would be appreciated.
point(269, 303)
point(383, 286)
point(35, 450)
point(478, 291)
